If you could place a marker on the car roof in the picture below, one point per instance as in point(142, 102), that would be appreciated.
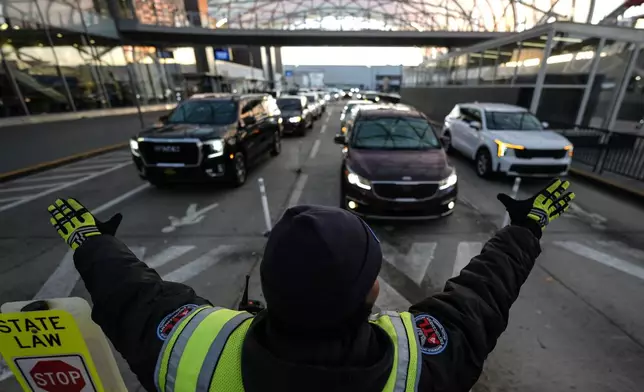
point(358, 101)
point(234, 97)
point(389, 111)
point(500, 107)
point(298, 97)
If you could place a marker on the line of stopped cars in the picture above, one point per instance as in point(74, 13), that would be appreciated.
point(395, 163)
point(218, 136)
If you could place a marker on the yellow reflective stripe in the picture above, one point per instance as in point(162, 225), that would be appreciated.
point(415, 360)
point(228, 374)
point(161, 369)
point(197, 348)
point(385, 323)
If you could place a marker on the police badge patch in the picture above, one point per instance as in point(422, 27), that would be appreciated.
point(169, 321)
point(431, 334)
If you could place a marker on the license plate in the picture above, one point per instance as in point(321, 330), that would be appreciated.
point(169, 172)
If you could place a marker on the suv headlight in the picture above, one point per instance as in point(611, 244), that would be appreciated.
point(295, 119)
point(216, 148)
point(502, 148)
point(448, 182)
point(134, 147)
point(357, 180)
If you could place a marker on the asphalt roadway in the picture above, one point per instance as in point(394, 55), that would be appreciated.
point(577, 324)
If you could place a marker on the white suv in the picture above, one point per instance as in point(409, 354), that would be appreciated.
point(506, 139)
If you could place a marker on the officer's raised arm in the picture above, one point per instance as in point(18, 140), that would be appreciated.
point(459, 327)
point(133, 306)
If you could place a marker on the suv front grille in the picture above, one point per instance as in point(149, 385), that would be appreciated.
point(527, 154)
point(167, 152)
point(405, 191)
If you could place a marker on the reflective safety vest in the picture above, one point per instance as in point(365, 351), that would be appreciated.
point(203, 352)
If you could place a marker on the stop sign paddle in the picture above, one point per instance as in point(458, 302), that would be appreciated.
point(54, 375)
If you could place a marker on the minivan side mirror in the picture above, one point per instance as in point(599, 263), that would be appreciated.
point(164, 118)
point(340, 139)
point(476, 125)
point(545, 124)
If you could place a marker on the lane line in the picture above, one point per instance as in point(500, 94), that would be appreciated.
point(168, 254)
point(315, 149)
point(43, 178)
point(390, 299)
point(29, 188)
point(415, 263)
point(67, 185)
point(323, 129)
point(63, 280)
point(7, 199)
point(602, 258)
point(297, 191)
point(464, 253)
point(198, 266)
point(82, 168)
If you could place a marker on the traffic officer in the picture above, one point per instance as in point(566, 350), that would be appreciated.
point(319, 276)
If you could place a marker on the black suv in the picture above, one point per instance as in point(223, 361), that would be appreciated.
point(210, 137)
point(296, 116)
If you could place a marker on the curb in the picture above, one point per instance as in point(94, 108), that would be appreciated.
point(594, 178)
point(59, 162)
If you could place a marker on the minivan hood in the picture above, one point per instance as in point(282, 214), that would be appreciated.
point(181, 131)
point(532, 139)
point(291, 113)
point(393, 165)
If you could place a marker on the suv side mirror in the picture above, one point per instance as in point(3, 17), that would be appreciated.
point(340, 139)
point(545, 124)
point(164, 118)
point(476, 125)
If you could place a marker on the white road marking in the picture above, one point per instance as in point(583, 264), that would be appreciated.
point(198, 266)
point(315, 149)
point(464, 253)
point(49, 178)
point(168, 254)
point(28, 188)
point(602, 258)
point(297, 191)
point(415, 263)
point(323, 129)
point(390, 299)
point(107, 159)
point(58, 188)
point(622, 247)
point(597, 221)
point(64, 278)
point(192, 217)
point(8, 199)
point(77, 167)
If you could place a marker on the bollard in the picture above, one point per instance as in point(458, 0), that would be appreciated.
point(267, 215)
point(515, 192)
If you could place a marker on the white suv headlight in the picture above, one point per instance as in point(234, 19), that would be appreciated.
point(356, 180)
point(216, 148)
point(448, 182)
point(295, 119)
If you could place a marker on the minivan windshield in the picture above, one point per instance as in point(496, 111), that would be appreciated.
point(212, 112)
point(289, 104)
point(394, 133)
point(512, 121)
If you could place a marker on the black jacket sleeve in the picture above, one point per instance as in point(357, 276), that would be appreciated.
point(473, 310)
point(130, 300)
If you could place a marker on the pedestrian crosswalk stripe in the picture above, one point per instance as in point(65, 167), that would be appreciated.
point(139, 251)
point(167, 255)
point(636, 253)
point(415, 263)
point(198, 266)
point(390, 299)
point(600, 257)
point(464, 253)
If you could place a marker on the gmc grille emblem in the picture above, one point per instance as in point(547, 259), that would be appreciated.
point(167, 148)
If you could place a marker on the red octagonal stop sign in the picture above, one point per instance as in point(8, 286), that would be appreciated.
point(57, 376)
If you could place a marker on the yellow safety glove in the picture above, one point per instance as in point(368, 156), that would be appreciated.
point(542, 208)
point(75, 223)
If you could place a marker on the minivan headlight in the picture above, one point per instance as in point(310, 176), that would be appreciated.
point(448, 182)
point(295, 119)
point(134, 147)
point(216, 148)
point(357, 180)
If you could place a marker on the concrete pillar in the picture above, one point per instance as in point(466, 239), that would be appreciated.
point(268, 67)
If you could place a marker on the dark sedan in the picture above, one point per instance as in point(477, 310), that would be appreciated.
point(296, 116)
point(212, 137)
point(394, 167)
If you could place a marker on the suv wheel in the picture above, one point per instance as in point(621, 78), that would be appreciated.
point(238, 175)
point(483, 163)
point(277, 145)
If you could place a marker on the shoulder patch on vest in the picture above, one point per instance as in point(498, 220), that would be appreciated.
point(172, 319)
point(431, 334)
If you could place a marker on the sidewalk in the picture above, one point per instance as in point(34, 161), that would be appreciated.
point(32, 146)
point(629, 186)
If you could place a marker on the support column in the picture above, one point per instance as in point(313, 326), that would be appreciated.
point(541, 77)
point(609, 122)
point(268, 67)
point(591, 81)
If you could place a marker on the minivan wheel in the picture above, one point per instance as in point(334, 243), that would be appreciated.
point(277, 145)
point(483, 163)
